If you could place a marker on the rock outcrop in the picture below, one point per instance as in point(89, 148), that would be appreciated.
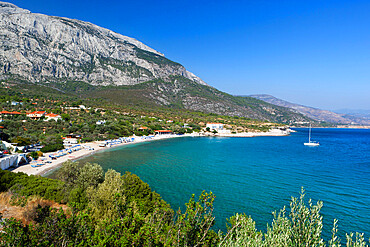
point(41, 48)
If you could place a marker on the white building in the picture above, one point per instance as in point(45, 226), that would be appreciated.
point(15, 103)
point(215, 126)
point(101, 122)
point(12, 161)
point(52, 116)
point(36, 114)
point(71, 140)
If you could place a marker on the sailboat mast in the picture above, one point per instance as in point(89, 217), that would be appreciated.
point(309, 134)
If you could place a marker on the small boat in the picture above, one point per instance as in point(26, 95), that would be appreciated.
point(311, 143)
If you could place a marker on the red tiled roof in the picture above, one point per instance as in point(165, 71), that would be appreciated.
point(36, 112)
point(163, 131)
point(10, 112)
point(143, 128)
point(1, 127)
point(52, 115)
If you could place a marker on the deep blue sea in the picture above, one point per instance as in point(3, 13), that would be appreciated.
point(258, 175)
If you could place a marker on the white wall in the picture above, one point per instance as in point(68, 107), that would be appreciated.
point(11, 160)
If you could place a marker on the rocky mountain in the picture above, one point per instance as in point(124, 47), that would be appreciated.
point(314, 113)
point(41, 48)
point(78, 57)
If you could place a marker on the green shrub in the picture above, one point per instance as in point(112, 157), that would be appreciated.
point(52, 148)
point(21, 184)
point(34, 155)
point(302, 227)
point(21, 141)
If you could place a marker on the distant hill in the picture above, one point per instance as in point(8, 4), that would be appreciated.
point(358, 113)
point(314, 113)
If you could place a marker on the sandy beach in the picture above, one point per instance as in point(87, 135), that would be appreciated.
point(50, 164)
point(94, 147)
point(274, 132)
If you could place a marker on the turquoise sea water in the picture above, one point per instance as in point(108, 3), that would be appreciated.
point(258, 175)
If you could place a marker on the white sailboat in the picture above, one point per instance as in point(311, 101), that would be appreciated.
point(311, 143)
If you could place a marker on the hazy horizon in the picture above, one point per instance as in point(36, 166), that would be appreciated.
point(311, 53)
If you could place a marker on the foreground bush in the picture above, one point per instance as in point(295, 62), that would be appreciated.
point(302, 227)
point(22, 185)
point(121, 210)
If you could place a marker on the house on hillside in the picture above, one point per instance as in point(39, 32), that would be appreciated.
point(36, 115)
point(80, 107)
point(52, 116)
point(143, 128)
point(9, 113)
point(163, 132)
point(101, 122)
point(15, 103)
point(71, 140)
point(215, 126)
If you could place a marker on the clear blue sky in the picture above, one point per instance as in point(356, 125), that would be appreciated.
point(315, 53)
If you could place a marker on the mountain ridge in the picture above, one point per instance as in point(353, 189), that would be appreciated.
point(311, 112)
point(38, 47)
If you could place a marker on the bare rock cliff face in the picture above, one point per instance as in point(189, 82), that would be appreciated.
point(41, 48)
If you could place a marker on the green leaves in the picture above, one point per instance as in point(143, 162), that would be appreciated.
point(123, 211)
point(303, 227)
point(21, 141)
point(306, 222)
point(192, 228)
point(102, 198)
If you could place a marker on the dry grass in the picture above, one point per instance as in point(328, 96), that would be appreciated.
point(28, 212)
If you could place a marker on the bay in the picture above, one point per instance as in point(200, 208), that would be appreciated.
point(258, 175)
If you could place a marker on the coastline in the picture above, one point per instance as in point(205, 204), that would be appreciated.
point(47, 167)
point(335, 127)
point(273, 132)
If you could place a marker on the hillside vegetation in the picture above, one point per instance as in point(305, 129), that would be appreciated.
point(120, 119)
point(182, 93)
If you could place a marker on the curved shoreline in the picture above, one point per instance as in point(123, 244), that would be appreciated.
point(47, 167)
